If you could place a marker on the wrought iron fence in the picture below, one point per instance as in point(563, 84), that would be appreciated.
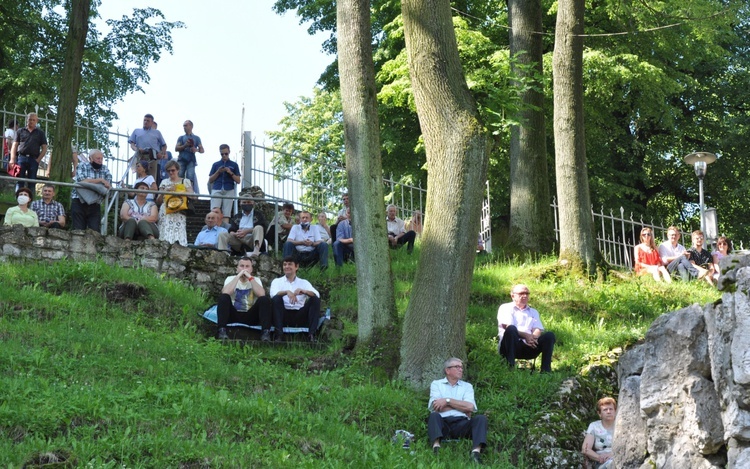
point(617, 236)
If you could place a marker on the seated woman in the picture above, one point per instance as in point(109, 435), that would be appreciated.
point(723, 247)
point(597, 445)
point(647, 260)
point(415, 223)
point(139, 216)
point(22, 214)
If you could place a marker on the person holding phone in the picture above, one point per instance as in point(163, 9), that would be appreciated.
point(223, 179)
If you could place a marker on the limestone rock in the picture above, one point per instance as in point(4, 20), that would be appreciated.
point(629, 445)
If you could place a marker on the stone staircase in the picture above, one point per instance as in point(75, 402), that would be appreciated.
point(197, 221)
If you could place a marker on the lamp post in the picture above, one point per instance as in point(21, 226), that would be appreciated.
point(700, 160)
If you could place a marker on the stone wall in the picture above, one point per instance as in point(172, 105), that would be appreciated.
point(685, 391)
point(205, 269)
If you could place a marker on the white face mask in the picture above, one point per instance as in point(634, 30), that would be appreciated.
point(23, 199)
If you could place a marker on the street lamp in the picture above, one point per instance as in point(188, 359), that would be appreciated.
point(700, 161)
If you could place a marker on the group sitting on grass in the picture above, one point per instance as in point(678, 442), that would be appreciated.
point(672, 258)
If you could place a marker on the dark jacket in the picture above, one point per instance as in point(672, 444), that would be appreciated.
point(258, 219)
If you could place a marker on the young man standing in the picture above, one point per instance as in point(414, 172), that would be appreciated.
point(223, 179)
point(187, 146)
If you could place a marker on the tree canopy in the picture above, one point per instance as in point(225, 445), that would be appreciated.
point(660, 80)
point(115, 61)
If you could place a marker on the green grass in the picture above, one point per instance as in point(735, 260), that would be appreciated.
point(114, 367)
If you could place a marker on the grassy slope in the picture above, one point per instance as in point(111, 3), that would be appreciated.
point(112, 366)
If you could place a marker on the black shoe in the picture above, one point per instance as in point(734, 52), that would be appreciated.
point(436, 450)
point(265, 336)
point(476, 457)
point(222, 334)
point(312, 339)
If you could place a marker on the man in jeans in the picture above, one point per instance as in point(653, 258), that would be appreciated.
point(28, 150)
point(675, 257)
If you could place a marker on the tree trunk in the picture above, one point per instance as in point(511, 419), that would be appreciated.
point(70, 84)
point(456, 144)
point(531, 227)
point(376, 302)
point(576, 226)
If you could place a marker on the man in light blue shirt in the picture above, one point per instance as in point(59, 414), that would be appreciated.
point(209, 235)
point(451, 405)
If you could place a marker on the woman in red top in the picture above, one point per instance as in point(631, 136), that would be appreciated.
point(647, 260)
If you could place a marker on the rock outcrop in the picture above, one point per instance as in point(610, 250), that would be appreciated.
point(685, 391)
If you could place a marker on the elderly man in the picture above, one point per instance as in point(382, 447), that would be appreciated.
point(247, 230)
point(675, 257)
point(282, 224)
point(149, 144)
point(295, 301)
point(343, 247)
point(187, 146)
point(305, 242)
point(223, 178)
point(210, 234)
point(397, 234)
point(243, 300)
point(28, 150)
point(451, 405)
point(520, 331)
point(50, 212)
point(86, 215)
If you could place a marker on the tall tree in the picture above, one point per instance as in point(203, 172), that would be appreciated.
point(576, 225)
point(531, 225)
point(376, 303)
point(456, 145)
point(70, 85)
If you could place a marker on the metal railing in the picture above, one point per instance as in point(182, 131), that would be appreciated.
point(323, 188)
point(113, 144)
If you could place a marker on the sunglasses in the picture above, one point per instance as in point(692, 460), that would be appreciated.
point(645, 234)
point(225, 154)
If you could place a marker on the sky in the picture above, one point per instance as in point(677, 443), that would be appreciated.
point(231, 53)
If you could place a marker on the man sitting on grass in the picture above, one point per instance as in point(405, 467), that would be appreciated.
point(520, 331)
point(451, 405)
point(243, 299)
point(296, 302)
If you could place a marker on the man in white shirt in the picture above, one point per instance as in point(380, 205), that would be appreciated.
point(451, 405)
point(296, 302)
point(520, 331)
point(243, 300)
point(248, 229)
point(304, 242)
point(397, 234)
point(675, 257)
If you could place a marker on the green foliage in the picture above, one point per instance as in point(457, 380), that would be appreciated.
point(32, 40)
point(111, 366)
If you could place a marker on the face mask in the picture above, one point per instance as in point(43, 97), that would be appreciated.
point(247, 208)
point(305, 226)
point(96, 165)
point(23, 199)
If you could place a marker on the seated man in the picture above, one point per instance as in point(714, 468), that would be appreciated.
point(209, 235)
point(323, 229)
point(49, 211)
point(282, 224)
point(343, 247)
point(700, 258)
point(520, 331)
point(340, 217)
point(223, 224)
point(295, 302)
point(451, 405)
point(247, 229)
point(397, 234)
point(675, 257)
point(243, 299)
point(304, 242)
